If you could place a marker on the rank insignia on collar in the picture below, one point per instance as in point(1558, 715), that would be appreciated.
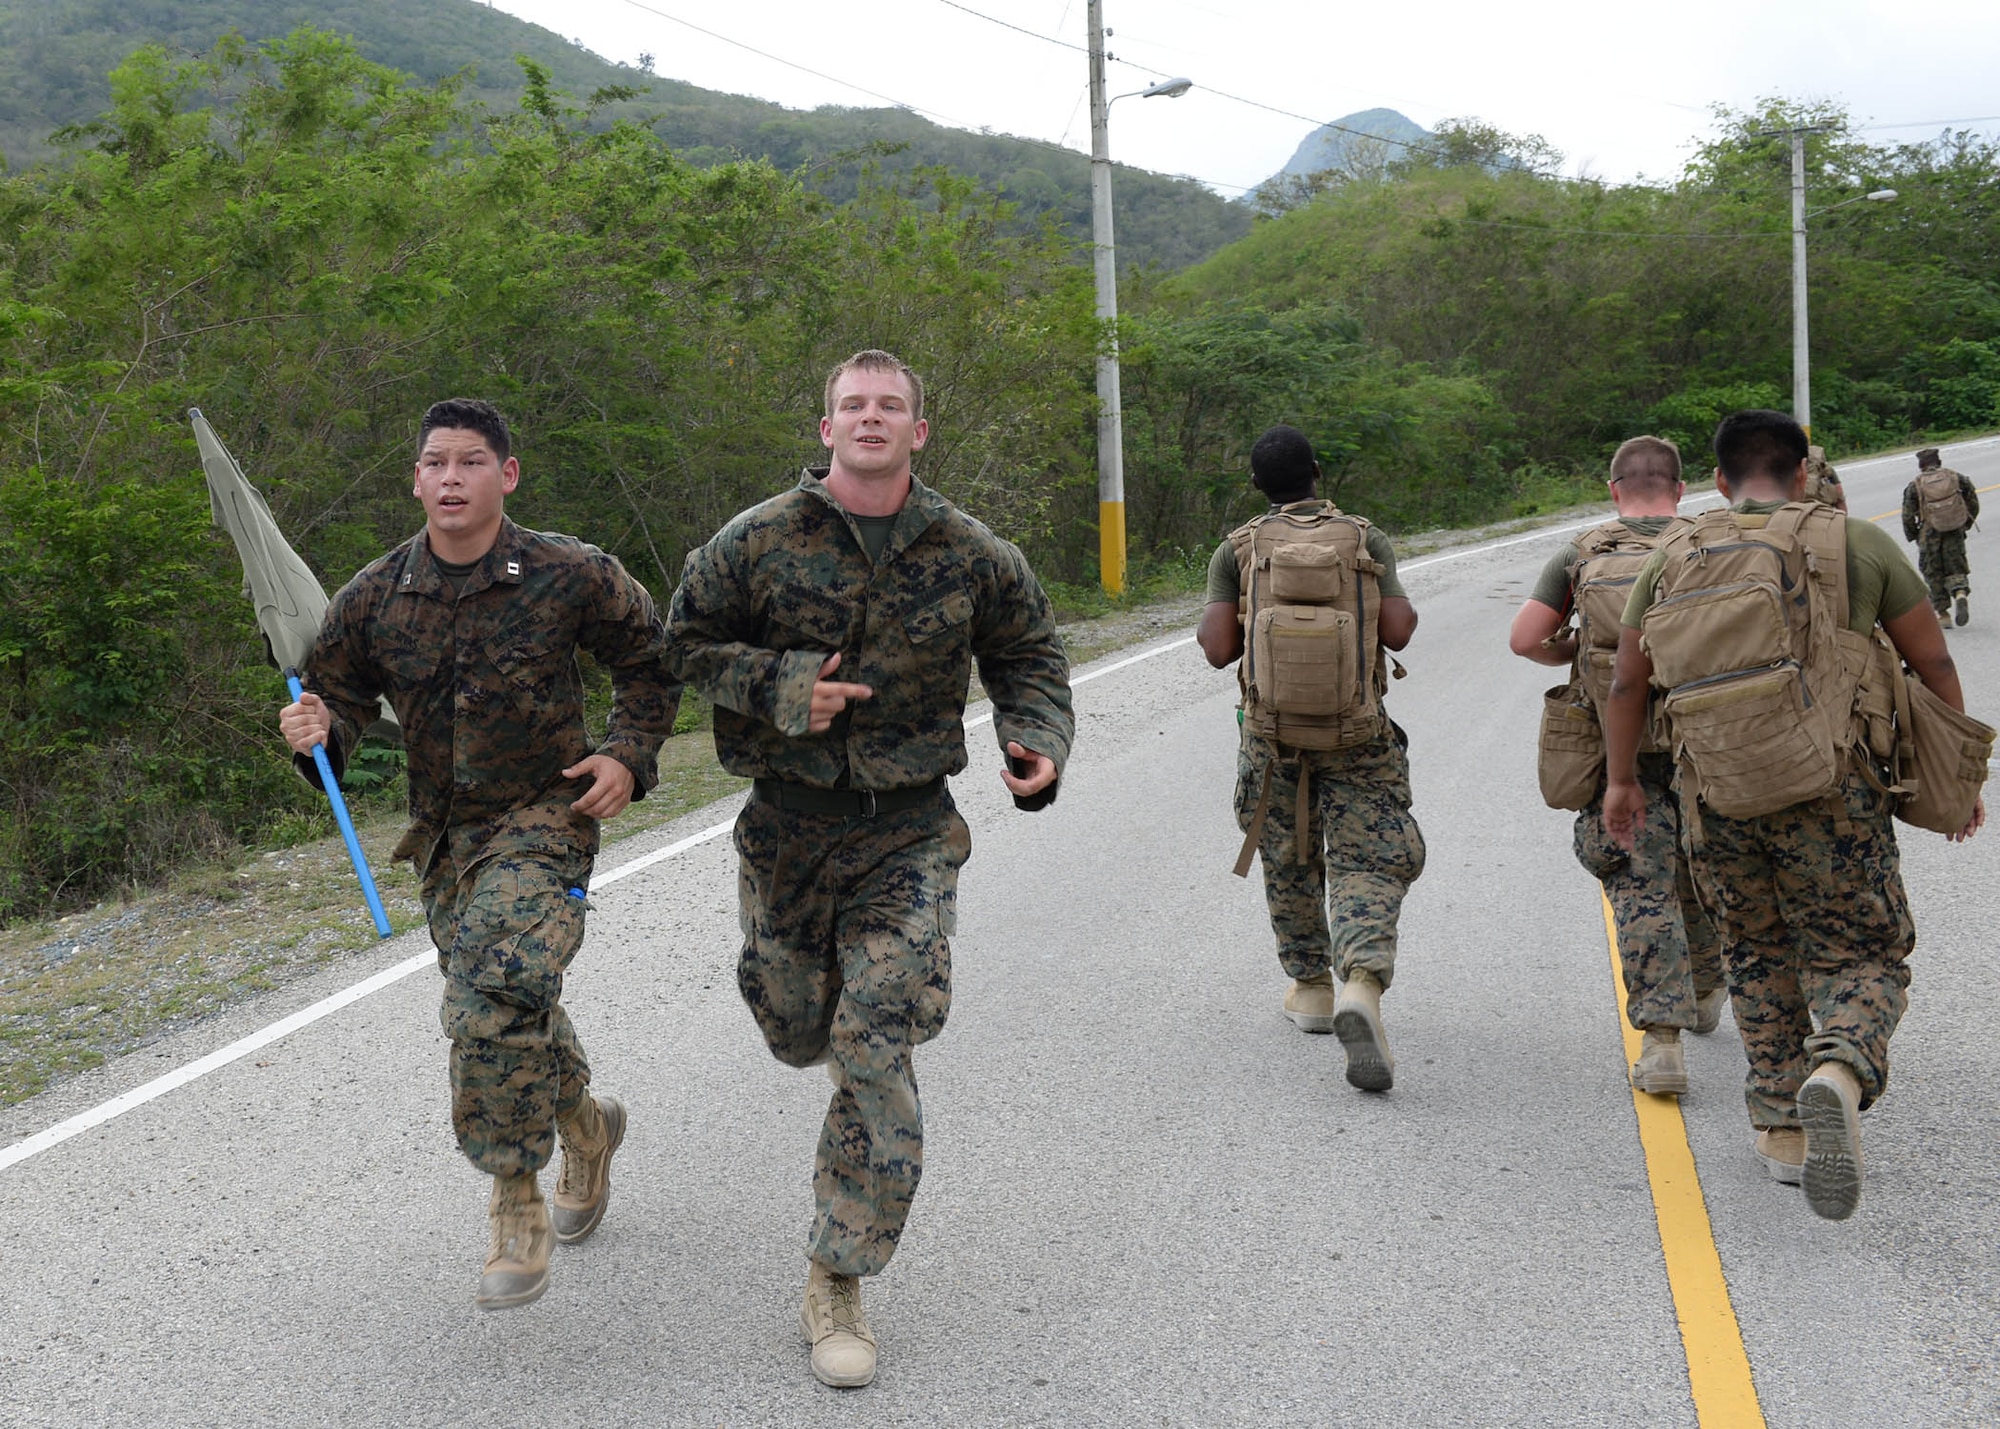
point(513, 568)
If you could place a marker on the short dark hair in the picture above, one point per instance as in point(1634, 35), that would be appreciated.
point(1282, 464)
point(1647, 464)
point(874, 359)
point(1928, 458)
point(1757, 443)
point(468, 414)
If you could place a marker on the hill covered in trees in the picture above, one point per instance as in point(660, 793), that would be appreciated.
point(311, 247)
point(55, 56)
point(1550, 318)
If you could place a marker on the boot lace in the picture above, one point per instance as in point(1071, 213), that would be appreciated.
point(844, 1303)
point(514, 1231)
point(574, 1182)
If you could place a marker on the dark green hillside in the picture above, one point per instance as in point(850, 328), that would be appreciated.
point(1592, 311)
point(55, 56)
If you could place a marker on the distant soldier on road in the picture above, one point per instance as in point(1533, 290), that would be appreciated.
point(1667, 946)
point(471, 628)
point(1937, 508)
point(1307, 597)
point(1822, 481)
point(835, 628)
point(1776, 709)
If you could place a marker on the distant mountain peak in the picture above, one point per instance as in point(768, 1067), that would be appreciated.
point(1364, 141)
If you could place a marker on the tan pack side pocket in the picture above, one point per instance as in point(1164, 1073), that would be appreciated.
point(1305, 659)
point(1570, 755)
point(1875, 701)
point(1952, 751)
point(1731, 627)
point(1751, 743)
point(1307, 574)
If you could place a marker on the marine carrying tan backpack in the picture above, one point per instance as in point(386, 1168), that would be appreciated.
point(1570, 750)
point(1607, 565)
point(1940, 501)
point(1312, 669)
point(1748, 637)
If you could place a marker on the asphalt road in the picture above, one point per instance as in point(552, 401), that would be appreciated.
point(1148, 1200)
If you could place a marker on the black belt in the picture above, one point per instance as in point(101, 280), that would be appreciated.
point(848, 803)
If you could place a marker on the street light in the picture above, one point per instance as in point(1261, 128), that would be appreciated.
point(1110, 416)
point(1801, 358)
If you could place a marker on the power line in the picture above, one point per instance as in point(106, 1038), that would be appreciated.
point(898, 103)
point(1009, 25)
point(1936, 123)
point(1205, 88)
point(1610, 232)
point(789, 64)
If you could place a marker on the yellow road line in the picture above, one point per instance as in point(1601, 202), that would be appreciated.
point(1725, 1396)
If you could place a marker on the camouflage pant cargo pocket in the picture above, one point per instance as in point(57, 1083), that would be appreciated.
point(506, 931)
point(1593, 845)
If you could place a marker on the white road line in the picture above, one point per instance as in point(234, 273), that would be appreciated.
point(172, 1081)
point(63, 1130)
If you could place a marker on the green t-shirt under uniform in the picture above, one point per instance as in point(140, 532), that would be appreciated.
point(1552, 585)
point(1225, 582)
point(1881, 582)
point(875, 531)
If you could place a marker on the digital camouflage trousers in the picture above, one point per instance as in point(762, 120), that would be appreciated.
point(1334, 887)
point(1816, 931)
point(506, 929)
point(846, 958)
point(1941, 557)
point(1668, 950)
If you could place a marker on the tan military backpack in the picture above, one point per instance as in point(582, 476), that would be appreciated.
point(1311, 673)
point(1940, 501)
point(1570, 753)
point(1748, 637)
point(1607, 564)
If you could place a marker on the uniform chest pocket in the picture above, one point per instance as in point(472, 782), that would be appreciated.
point(937, 616)
point(408, 655)
point(529, 659)
point(806, 619)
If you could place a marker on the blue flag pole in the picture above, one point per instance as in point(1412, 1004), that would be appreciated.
point(340, 816)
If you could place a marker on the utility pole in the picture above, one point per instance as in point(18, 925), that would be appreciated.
point(1801, 352)
point(1801, 349)
point(1110, 415)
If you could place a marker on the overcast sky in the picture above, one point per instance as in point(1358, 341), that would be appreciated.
point(1623, 90)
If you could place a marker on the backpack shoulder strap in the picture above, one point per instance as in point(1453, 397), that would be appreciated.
point(1822, 530)
point(1243, 536)
point(1685, 536)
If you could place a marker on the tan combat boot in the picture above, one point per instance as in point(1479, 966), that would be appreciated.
point(517, 1263)
point(1357, 1022)
point(1310, 1003)
point(1830, 1113)
point(1708, 1009)
point(843, 1347)
point(1782, 1149)
point(592, 1133)
point(1661, 1069)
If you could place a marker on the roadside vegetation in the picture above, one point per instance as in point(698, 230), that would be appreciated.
point(311, 247)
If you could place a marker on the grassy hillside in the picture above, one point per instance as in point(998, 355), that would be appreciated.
point(55, 54)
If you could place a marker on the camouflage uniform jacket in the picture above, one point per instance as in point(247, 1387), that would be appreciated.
point(787, 583)
point(487, 687)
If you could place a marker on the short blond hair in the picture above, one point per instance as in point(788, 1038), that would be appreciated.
point(874, 359)
point(1649, 463)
